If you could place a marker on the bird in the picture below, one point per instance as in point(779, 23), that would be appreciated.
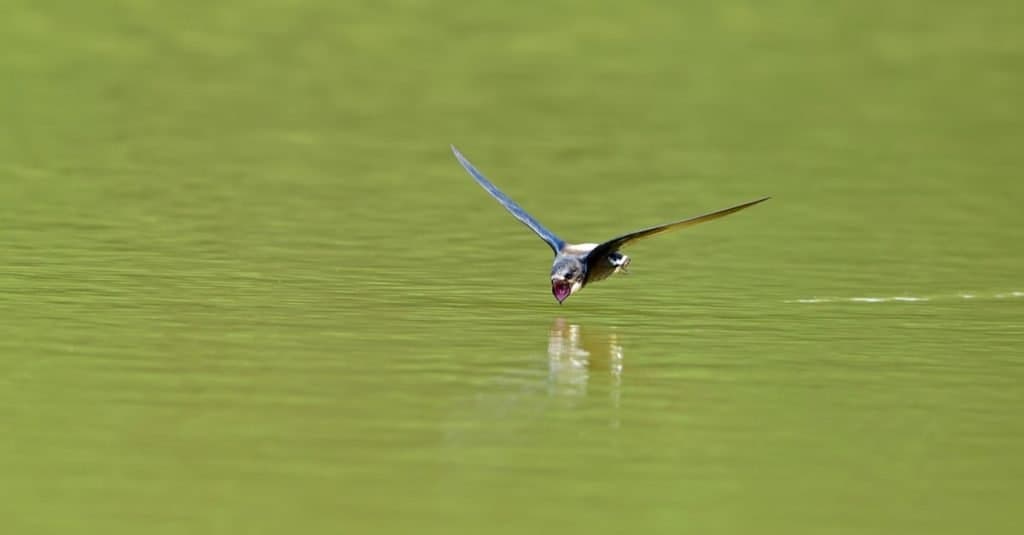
point(578, 264)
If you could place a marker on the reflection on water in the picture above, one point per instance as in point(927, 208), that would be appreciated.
point(585, 366)
point(575, 353)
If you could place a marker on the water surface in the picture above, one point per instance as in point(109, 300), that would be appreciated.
point(246, 288)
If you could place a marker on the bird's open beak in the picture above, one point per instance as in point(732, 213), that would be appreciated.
point(561, 289)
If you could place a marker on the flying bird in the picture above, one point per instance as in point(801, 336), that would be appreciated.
point(579, 264)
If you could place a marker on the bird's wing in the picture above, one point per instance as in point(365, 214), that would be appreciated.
point(616, 243)
point(553, 241)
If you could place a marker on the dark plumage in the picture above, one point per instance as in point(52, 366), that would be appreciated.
point(577, 265)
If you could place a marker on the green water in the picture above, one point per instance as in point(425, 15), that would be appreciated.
point(245, 288)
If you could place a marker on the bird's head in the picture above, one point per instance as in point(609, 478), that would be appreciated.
point(566, 279)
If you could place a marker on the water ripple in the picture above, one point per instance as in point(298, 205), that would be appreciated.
point(908, 298)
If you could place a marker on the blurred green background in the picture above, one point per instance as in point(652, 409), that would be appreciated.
point(245, 288)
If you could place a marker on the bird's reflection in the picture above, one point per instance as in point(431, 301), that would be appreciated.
point(576, 354)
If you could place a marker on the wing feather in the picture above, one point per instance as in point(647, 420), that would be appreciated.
point(616, 243)
point(549, 237)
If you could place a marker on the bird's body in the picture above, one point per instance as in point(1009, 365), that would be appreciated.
point(576, 265)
